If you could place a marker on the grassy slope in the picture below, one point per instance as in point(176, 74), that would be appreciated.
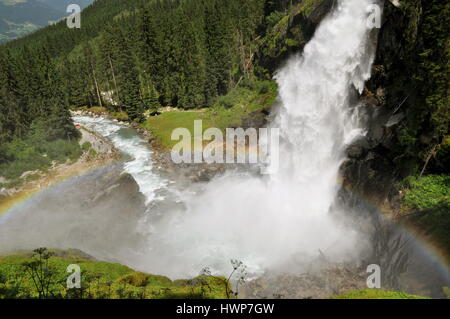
point(229, 111)
point(103, 280)
point(376, 294)
point(35, 155)
point(112, 281)
point(431, 195)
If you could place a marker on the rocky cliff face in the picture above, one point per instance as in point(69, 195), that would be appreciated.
point(401, 103)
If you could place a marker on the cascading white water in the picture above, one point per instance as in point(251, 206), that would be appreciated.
point(267, 222)
point(140, 166)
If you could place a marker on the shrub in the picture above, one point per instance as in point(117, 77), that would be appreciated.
point(427, 192)
point(35, 153)
point(430, 194)
point(120, 116)
point(86, 146)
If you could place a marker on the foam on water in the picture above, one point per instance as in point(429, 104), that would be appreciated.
point(133, 146)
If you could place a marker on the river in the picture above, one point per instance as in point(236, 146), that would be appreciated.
point(284, 222)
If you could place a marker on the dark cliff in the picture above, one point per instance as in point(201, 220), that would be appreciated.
point(405, 102)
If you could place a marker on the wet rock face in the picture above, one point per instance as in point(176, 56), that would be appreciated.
point(331, 280)
point(370, 168)
point(373, 167)
point(97, 212)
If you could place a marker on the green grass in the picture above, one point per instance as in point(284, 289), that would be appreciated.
point(101, 280)
point(376, 294)
point(229, 111)
point(86, 146)
point(432, 194)
point(163, 125)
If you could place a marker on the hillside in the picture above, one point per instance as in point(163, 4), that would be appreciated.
point(61, 5)
point(19, 17)
point(21, 277)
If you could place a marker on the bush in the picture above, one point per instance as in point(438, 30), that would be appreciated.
point(137, 279)
point(35, 154)
point(120, 116)
point(430, 194)
point(86, 146)
point(274, 18)
point(427, 192)
point(99, 280)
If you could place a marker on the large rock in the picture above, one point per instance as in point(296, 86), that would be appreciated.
point(98, 212)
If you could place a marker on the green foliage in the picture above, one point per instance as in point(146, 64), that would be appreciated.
point(163, 125)
point(228, 111)
point(148, 54)
point(120, 116)
point(376, 294)
point(42, 274)
point(287, 31)
point(273, 18)
point(420, 72)
point(427, 192)
point(430, 194)
point(35, 153)
point(86, 146)
point(137, 279)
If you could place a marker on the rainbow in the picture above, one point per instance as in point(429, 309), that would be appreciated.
point(437, 255)
point(9, 204)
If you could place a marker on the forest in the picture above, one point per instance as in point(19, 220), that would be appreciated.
point(128, 56)
point(217, 60)
point(135, 56)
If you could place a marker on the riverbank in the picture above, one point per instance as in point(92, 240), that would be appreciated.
point(97, 151)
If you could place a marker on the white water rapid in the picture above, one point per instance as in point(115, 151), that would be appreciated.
point(140, 165)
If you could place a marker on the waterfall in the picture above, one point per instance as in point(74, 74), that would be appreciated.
point(289, 216)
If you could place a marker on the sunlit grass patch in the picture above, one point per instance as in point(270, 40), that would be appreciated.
point(376, 294)
point(99, 280)
point(228, 112)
